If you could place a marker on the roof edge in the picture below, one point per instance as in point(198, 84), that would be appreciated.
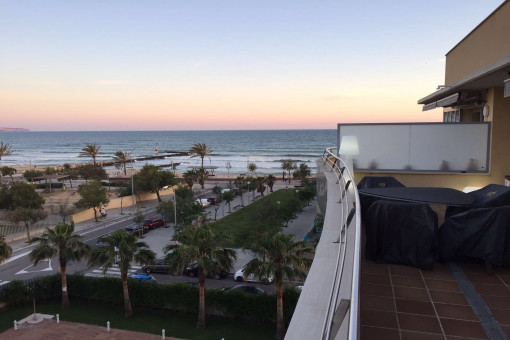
point(474, 29)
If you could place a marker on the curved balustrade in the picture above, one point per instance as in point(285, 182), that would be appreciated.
point(346, 183)
point(329, 304)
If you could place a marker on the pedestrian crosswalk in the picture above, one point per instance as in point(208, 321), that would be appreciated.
point(113, 271)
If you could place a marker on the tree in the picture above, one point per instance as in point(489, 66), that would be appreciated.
point(63, 210)
point(200, 245)
point(91, 150)
point(190, 177)
point(93, 195)
point(239, 182)
point(24, 195)
point(187, 209)
point(288, 165)
point(60, 241)
point(302, 173)
point(270, 180)
point(90, 171)
point(259, 182)
point(228, 196)
point(200, 150)
point(28, 216)
point(279, 256)
point(29, 175)
point(152, 179)
point(5, 196)
point(5, 149)
point(72, 174)
point(5, 249)
point(121, 158)
point(124, 248)
point(252, 167)
point(166, 208)
point(7, 171)
point(202, 176)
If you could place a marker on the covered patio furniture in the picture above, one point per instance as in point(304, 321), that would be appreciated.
point(401, 233)
point(492, 195)
point(482, 234)
point(375, 182)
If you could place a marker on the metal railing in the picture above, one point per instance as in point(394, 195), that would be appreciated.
point(350, 205)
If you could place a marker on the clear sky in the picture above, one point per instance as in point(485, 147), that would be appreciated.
point(224, 64)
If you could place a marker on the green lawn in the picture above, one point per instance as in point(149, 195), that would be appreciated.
point(147, 321)
point(239, 221)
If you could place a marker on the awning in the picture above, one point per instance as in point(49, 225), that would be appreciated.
point(430, 106)
point(443, 102)
point(448, 101)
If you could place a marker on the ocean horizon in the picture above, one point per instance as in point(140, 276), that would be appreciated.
point(265, 148)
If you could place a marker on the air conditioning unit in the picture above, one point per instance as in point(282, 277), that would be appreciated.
point(507, 88)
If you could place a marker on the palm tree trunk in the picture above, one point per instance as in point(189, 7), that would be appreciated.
point(128, 311)
point(202, 162)
point(27, 227)
point(65, 295)
point(280, 325)
point(201, 299)
point(125, 171)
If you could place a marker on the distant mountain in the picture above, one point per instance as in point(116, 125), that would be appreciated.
point(6, 129)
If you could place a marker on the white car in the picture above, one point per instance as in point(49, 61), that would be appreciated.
point(240, 277)
point(203, 202)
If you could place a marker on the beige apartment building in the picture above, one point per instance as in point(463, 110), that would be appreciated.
point(471, 148)
point(477, 89)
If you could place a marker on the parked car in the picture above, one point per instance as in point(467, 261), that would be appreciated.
point(245, 289)
point(101, 242)
point(192, 271)
point(159, 267)
point(203, 202)
point(143, 278)
point(240, 277)
point(135, 229)
point(153, 222)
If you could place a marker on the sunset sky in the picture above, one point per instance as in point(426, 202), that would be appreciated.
point(224, 64)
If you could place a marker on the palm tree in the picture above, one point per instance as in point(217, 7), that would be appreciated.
point(91, 150)
point(122, 157)
point(200, 150)
point(288, 165)
point(190, 177)
point(124, 248)
point(260, 181)
point(252, 167)
point(5, 249)
point(200, 245)
point(279, 256)
point(5, 149)
point(202, 176)
point(270, 180)
point(64, 243)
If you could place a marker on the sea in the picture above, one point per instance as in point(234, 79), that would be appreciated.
point(233, 150)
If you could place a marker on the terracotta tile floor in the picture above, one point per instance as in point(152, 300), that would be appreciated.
point(401, 302)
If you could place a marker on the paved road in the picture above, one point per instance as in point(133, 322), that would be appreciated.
point(19, 266)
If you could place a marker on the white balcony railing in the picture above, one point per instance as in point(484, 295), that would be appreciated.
point(328, 307)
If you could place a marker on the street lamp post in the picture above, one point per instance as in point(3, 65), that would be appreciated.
point(175, 209)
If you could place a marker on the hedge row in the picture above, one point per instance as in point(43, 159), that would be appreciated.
point(180, 297)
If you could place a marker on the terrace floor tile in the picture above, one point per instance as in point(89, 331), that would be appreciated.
point(419, 323)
